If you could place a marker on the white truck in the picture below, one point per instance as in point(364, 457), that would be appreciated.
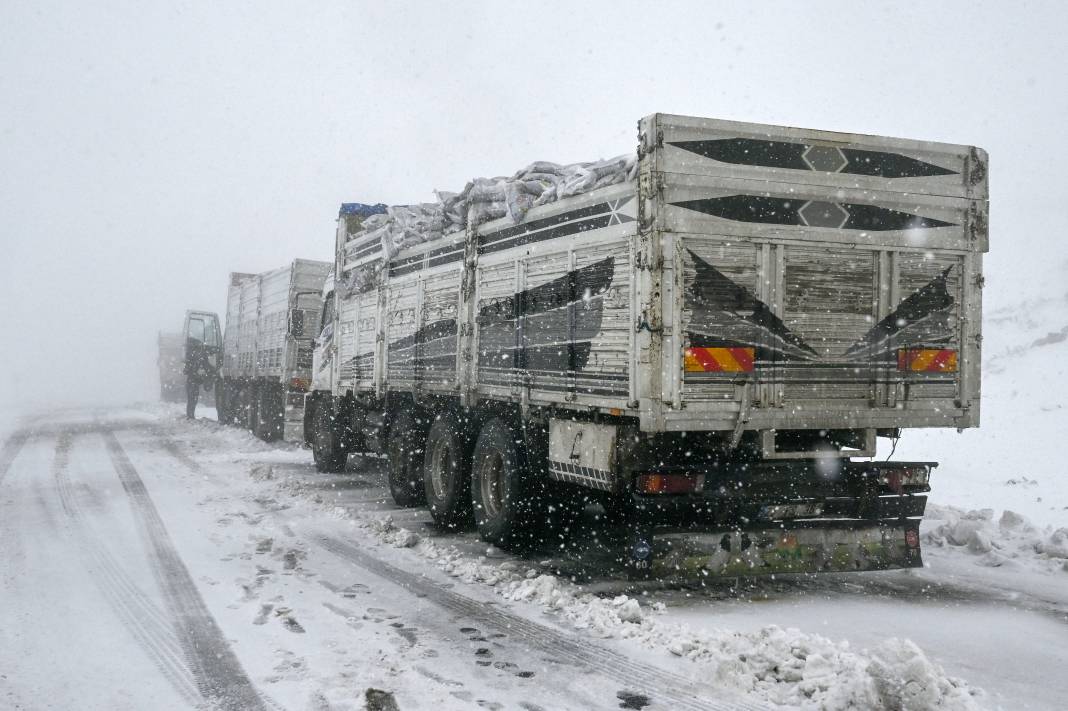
point(267, 348)
point(707, 338)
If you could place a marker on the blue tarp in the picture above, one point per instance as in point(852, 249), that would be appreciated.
point(361, 209)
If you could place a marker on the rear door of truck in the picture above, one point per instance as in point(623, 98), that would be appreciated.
point(816, 279)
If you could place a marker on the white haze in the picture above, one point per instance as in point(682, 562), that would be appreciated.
point(148, 149)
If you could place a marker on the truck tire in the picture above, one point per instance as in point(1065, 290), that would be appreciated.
point(224, 406)
point(506, 506)
point(328, 449)
point(406, 455)
point(247, 416)
point(447, 472)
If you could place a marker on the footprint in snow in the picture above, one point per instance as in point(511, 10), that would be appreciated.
point(261, 618)
point(630, 700)
point(355, 589)
point(288, 621)
point(378, 700)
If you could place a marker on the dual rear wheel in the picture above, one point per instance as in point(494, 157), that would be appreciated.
point(490, 480)
point(407, 438)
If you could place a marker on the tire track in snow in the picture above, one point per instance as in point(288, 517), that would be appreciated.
point(219, 674)
point(672, 690)
point(139, 614)
point(663, 687)
point(12, 446)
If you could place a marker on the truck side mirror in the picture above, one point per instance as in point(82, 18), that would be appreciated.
point(296, 322)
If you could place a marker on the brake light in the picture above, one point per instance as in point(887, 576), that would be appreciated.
point(299, 384)
point(656, 483)
point(927, 360)
point(897, 479)
point(719, 360)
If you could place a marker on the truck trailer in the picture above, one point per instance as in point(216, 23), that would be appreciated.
point(267, 348)
point(707, 341)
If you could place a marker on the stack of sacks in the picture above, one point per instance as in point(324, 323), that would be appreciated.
point(482, 200)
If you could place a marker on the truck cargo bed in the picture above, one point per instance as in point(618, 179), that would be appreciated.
point(752, 278)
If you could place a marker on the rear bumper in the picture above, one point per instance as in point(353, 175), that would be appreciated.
point(942, 413)
point(785, 517)
point(813, 549)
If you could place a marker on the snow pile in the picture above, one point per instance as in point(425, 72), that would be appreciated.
point(783, 666)
point(1009, 541)
point(387, 532)
point(261, 472)
point(481, 200)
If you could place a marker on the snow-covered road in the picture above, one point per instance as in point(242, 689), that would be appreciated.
point(148, 562)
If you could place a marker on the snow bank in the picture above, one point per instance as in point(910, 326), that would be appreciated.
point(1010, 541)
point(782, 666)
point(481, 200)
point(1012, 459)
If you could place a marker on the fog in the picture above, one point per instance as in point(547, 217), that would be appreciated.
point(148, 150)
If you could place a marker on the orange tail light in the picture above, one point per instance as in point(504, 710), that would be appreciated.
point(927, 360)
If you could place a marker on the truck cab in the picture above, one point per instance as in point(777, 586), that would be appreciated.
point(202, 327)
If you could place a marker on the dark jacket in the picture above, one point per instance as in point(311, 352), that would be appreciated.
point(198, 368)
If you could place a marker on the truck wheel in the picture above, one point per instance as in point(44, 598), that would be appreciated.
point(224, 406)
point(505, 509)
point(249, 396)
point(407, 440)
point(446, 472)
point(327, 447)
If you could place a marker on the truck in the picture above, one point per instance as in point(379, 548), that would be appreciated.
point(201, 330)
point(267, 348)
point(708, 345)
point(171, 361)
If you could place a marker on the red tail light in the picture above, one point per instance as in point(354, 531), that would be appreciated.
point(655, 483)
point(897, 479)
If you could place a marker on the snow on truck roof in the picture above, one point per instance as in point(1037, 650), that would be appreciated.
point(397, 227)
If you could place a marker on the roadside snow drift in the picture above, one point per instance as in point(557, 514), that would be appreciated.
point(782, 666)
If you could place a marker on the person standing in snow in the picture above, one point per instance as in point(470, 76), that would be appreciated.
point(198, 371)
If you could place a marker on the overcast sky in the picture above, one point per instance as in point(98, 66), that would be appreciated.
point(148, 149)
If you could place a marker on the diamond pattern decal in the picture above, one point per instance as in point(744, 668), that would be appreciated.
point(784, 211)
point(802, 156)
